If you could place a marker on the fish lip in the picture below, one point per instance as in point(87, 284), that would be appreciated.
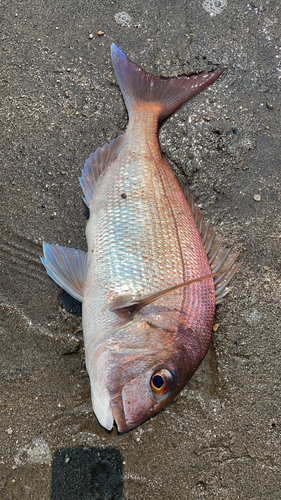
point(116, 406)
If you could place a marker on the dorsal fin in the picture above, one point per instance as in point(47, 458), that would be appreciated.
point(96, 164)
point(221, 261)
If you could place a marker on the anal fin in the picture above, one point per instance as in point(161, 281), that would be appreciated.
point(96, 164)
point(67, 267)
point(222, 262)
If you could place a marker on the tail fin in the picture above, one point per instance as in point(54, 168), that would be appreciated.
point(138, 85)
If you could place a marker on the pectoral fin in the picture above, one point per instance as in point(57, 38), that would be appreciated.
point(67, 267)
point(127, 302)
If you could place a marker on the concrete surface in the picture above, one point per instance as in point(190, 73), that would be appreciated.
point(59, 101)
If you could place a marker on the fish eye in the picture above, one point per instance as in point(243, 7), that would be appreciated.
point(162, 381)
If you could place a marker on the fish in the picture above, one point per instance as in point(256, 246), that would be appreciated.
point(154, 270)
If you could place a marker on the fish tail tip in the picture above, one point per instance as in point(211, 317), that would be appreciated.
point(116, 52)
point(223, 67)
point(113, 49)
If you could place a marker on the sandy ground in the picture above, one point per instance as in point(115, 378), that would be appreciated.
point(59, 101)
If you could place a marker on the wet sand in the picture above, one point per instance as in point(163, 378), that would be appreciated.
point(59, 102)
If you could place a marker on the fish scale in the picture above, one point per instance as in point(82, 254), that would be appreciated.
point(124, 236)
point(146, 283)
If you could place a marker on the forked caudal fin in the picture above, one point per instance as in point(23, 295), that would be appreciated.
point(170, 93)
point(166, 95)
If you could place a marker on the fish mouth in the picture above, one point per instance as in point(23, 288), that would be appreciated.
point(118, 414)
point(102, 409)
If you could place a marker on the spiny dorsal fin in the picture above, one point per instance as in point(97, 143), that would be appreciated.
point(128, 303)
point(221, 261)
point(96, 164)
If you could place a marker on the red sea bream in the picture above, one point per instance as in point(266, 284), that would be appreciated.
point(146, 328)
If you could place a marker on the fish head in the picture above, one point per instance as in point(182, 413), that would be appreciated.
point(141, 371)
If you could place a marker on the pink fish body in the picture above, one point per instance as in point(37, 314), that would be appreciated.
point(143, 341)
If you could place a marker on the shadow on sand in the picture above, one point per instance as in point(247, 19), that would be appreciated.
point(87, 474)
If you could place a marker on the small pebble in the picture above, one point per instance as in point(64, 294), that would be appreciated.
point(71, 346)
point(269, 105)
point(207, 118)
point(63, 172)
point(66, 93)
point(10, 431)
point(91, 35)
point(257, 197)
point(100, 33)
point(215, 327)
point(67, 460)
